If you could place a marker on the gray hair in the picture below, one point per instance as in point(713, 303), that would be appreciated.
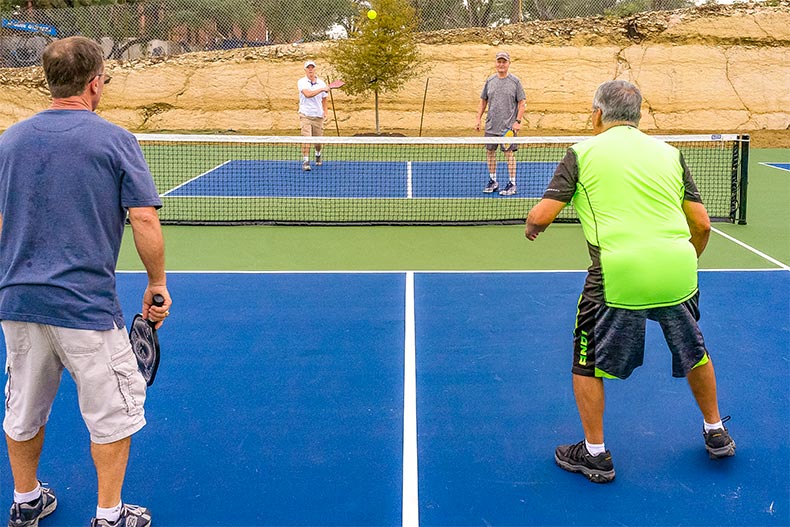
point(618, 101)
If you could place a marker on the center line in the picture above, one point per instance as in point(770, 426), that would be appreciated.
point(411, 505)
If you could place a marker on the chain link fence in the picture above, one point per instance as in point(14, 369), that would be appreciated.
point(166, 27)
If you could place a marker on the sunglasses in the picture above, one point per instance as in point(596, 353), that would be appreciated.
point(107, 78)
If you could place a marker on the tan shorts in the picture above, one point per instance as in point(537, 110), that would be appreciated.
point(111, 389)
point(311, 126)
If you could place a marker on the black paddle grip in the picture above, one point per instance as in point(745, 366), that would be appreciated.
point(158, 301)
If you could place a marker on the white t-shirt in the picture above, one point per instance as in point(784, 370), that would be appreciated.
point(311, 106)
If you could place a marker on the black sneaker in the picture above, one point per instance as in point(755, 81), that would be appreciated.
point(492, 186)
point(718, 442)
point(28, 514)
point(576, 458)
point(510, 189)
point(318, 161)
point(131, 516)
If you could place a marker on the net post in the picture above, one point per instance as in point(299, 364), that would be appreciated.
point(743, 140)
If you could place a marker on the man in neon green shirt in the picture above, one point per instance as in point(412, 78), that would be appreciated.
point(645, 226)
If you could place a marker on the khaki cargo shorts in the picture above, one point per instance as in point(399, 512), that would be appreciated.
point(311, 126)
point(111, 389)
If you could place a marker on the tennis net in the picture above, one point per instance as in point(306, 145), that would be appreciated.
point(212, 179)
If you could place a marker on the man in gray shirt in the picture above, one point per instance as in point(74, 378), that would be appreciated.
point(504, 96)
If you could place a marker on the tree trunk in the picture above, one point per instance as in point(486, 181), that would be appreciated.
point(516, 12)
point(376, 110)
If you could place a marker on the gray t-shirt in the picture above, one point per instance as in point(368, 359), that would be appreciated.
point(503, 96)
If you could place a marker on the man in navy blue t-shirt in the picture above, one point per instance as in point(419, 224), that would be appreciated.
point(68, 181)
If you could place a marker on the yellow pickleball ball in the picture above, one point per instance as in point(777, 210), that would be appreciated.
point(372, 14)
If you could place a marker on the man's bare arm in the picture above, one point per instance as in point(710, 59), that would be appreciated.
point(150, 245)
point(541, 216)
point(699, 224)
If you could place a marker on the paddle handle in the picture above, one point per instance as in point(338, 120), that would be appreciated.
point(158, 301)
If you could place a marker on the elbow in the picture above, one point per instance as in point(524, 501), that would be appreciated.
point(536, 223)
point(702, 227)
point(143, 216)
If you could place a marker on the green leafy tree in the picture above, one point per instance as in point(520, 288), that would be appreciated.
point(440, 14)
point(55, 4)
point(381, 55)
point(143, 21)
point(554, 9)
point(306, 19)
point(222, 16)
point(631, 7)
point(484, 13)
point(450, 14)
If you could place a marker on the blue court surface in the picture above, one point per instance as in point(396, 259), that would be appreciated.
point(283, 399)
point(780, 166)
point(355, 179)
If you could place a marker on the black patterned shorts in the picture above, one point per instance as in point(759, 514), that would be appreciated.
point(610, 341)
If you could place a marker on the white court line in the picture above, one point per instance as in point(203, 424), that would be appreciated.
point(752, 249)
point(408, 180)
point(193, 179)
point(773, 165)
point(411, 506)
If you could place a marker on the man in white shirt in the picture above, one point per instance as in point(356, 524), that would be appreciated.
point(312, 110)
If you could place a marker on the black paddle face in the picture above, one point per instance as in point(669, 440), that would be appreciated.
point(145, 344)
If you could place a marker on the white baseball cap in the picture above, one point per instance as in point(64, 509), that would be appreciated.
point(309, 63)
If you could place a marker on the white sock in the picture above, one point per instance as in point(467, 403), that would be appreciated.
point(24, 497)
point(317, 153)
point(594, 449)
point(112, 514)
point(492, 176)
point(306, 159)
point(708, 427)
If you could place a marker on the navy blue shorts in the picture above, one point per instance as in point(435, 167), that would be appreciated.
point(610, 341)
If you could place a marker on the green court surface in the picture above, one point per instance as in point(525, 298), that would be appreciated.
point(764, 241)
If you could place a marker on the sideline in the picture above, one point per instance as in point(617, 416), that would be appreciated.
point(752, 249)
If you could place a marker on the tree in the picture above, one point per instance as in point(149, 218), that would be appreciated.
point(441, 14)
point(381, 55)
point(221, 16)
point(448, 14)
point(307, 19)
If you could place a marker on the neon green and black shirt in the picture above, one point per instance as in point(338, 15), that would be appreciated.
point(628, 190)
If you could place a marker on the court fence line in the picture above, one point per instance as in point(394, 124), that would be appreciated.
point(150, 28)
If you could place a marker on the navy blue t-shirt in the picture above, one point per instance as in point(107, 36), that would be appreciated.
point(66, 180)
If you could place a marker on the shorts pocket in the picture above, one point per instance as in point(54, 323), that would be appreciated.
point(130, 381)
point(8, 388)
point(17, 337)
point(79, 341)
